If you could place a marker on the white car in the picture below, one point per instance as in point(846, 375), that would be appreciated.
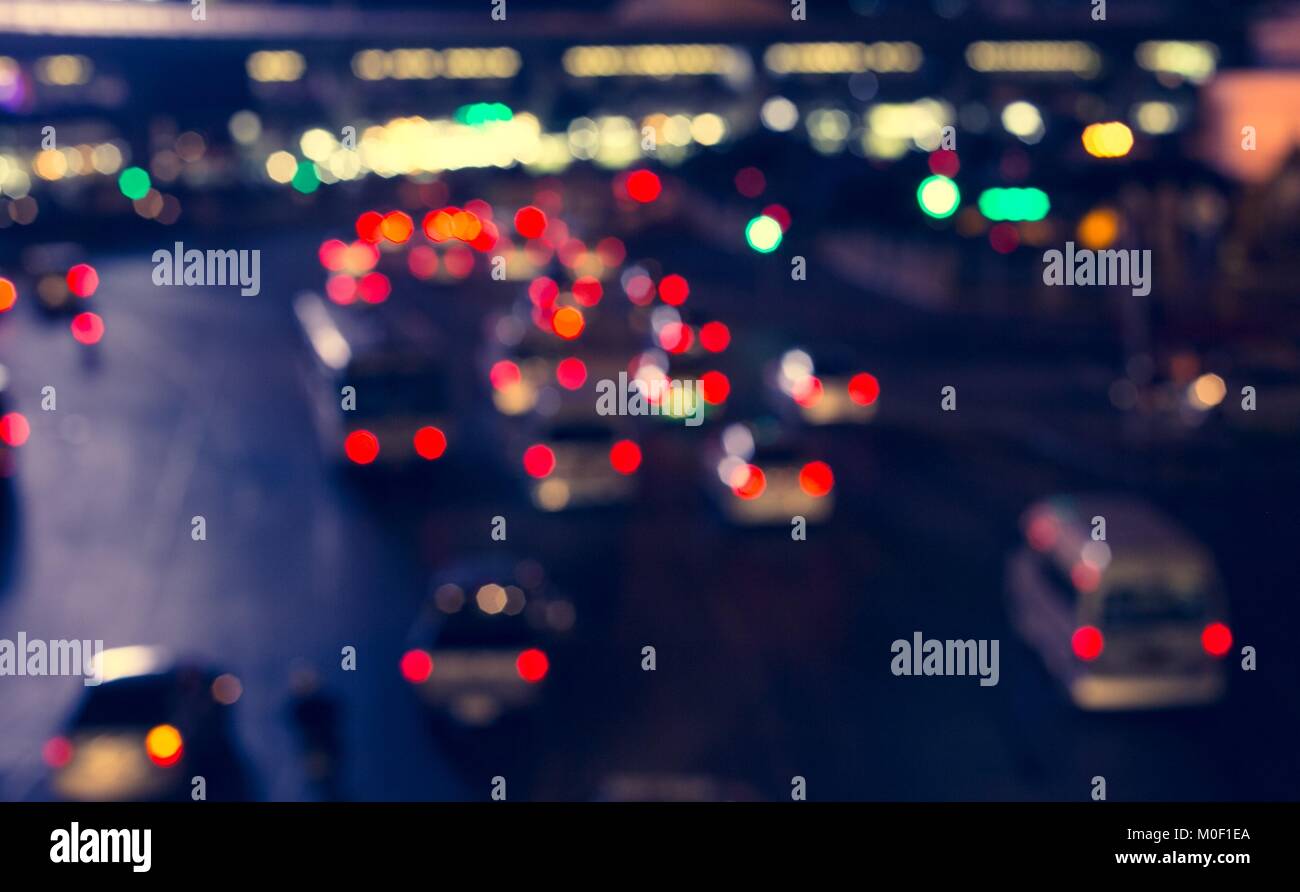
point(1134, 620)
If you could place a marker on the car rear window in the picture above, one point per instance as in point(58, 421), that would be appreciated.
point(1133, 605)
point(147, 700)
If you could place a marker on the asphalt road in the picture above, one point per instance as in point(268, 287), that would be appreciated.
point(772, 654)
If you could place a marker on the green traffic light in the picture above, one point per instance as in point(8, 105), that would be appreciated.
point(134, 183)
point(763, 234)
point(938, 196)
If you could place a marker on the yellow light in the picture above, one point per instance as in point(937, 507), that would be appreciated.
point(50, 165)
point(653, 60)
point(491, 598)
point(708, 129)
point(1156, 117)
point(245, 127)
point(63, 71)
point(163, 744)
point(842, 57)
point(1208, 391)
point(1194, 60)
point(317, 144)
point(1034, 56)
point(107, 158)
point(1022, 119)
point(552, 495)
point(281, 167)
point(1110, 139)
point(272, 66)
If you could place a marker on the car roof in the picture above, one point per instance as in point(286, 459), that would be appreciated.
point(364, 333)
point(1135, 529)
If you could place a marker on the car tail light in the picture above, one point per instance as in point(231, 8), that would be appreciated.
point(57, 752)
point(14, 429)
point(539, 460)
point(1087, 643)
point(752, 483)
point(816, 479)
point(430, 443)
point(164, 745)
point(532, 665)
point(417, 665)
point(361, 446)
point(625, 456)
point(1216, 639)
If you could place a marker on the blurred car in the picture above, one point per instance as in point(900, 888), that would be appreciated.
point(401, 413)
point(146, 730)
point(832, 389)
point(13, 429)
point(577, 459)
point(682, 350)
point(1134, 621)
point(61, 282)
point(480, 649)
point(761, 474)
point(532, 369)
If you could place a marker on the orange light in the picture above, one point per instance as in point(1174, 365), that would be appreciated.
point(164, 745)
point(397, 227)
point(465, 226)
point(8, 295)
point(567, 323)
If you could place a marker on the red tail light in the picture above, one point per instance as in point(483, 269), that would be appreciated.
point(625, 456)
point(816, 479)
point(361, 447)
point(1087, 643)
point(14, 429)
point(1216, 639)
point(430, 443)
point(539, 460)
point(417, 665)
point(57, 752)
point(532, 665)
point(754, 483)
